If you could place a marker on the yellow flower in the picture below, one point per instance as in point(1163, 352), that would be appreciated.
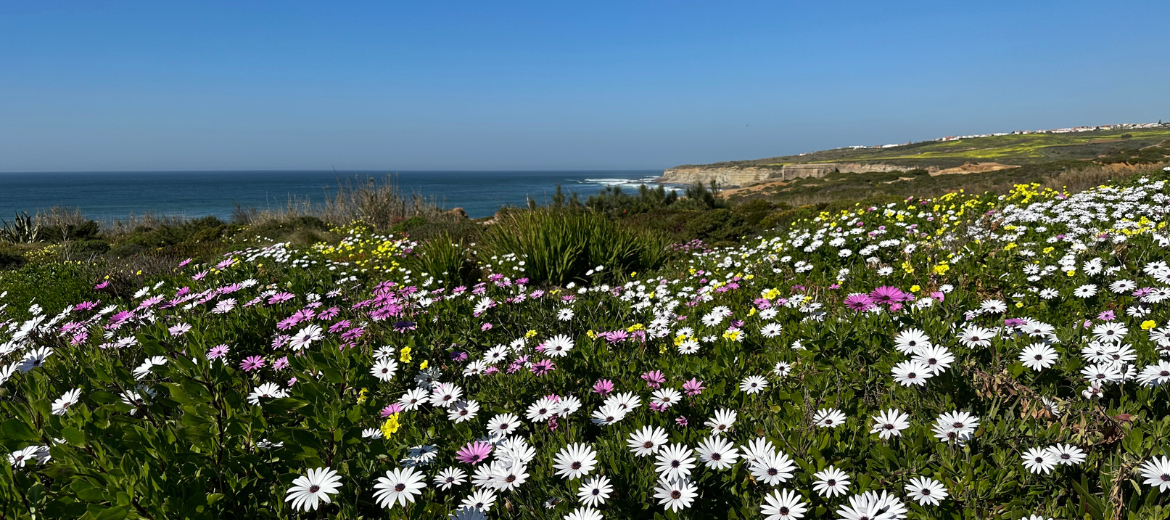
point(404, 355)
point(591, 334)
point(1149, 324)
point(915, 288)
point(636, 326)
point(1019, 304)
point(390, 426)
point(1071, 272)
point(752, 312)
point(529, 334)
point(363, 395)
point(941, 269)
point(424, 365)
point(907, 267)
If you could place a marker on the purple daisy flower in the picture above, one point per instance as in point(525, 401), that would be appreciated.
point(886, 295)
point(474, 453)
point(859, 302)
point(251, 363)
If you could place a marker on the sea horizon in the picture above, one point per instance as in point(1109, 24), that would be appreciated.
point(107, 195)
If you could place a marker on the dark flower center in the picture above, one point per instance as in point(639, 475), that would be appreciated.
point(575, 465)
point(400, 487)
point(889, 426)
point(510, 478)
point(773, 471)
point(314, 489)
point(716, 456)
point(647, 445)
point(925, 492)
point(596, 491)
point(784, 511)
point(676, 494)
point(831, 482)
point(674, 464)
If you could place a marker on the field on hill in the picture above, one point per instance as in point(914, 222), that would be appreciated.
point(964, 356)
point(1014, 149)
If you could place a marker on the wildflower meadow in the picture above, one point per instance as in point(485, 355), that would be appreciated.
point(965, 356)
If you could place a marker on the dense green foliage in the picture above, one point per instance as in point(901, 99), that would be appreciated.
point(561, 245)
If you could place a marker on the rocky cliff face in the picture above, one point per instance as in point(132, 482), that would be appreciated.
point(734, 176)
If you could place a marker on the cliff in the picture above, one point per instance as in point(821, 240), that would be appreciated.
point(748, 175)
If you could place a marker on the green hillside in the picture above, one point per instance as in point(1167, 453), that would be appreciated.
point(1106, 146)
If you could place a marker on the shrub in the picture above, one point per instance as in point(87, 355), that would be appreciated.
point(718, 225)
point(559, 246)
point(445, 258)
point(10, 259)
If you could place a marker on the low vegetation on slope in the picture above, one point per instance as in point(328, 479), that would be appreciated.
point(1014, 149)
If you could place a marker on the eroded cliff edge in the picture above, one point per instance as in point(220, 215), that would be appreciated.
point(746, 176)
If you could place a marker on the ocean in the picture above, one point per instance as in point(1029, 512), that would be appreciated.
point(107, 196)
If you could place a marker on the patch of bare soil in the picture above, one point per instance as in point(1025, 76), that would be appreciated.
point(982, 167)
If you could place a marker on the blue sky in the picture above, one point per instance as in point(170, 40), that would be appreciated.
point(95, 85)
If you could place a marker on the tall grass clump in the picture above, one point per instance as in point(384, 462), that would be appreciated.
point(445, 258)
point(562, 245)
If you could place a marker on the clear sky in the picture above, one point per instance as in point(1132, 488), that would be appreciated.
point(160, 85)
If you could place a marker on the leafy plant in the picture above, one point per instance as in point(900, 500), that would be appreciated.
point(562, 245)
point(22, 230)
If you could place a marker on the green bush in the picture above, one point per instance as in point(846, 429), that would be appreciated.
point(85, 231)
point(85, 248)
point(11, 259)
point(51, 285)
point(718, 225)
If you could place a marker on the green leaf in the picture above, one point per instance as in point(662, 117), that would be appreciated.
point(114, 513)
point(73, 436)
point(1133, 441)
point(15, 429)
point(332, 375)
point(283, 404)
